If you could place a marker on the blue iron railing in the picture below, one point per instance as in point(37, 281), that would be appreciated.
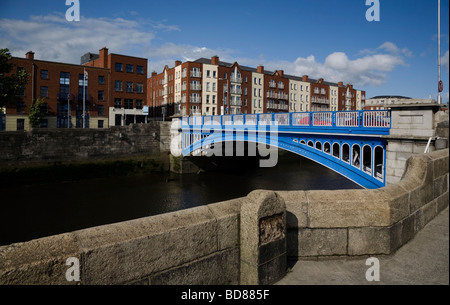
point(361, 121)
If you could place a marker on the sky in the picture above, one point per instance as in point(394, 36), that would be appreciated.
point(330, 39)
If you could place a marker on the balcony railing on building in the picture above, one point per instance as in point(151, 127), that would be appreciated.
point(236, 103)
point(236, 91)
point(195, 100)
point(236, 79)
point(320, 100)
point(196, 87)
point(195, 73)
point(283, 96)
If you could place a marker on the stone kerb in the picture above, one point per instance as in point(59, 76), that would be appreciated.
point(262, 238)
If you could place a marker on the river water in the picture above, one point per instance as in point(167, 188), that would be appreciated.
point(34, 211)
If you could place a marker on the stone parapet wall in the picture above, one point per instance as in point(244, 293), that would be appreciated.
point(213, 244)
point(61, 145)
point(367, 222)
point(194, 246)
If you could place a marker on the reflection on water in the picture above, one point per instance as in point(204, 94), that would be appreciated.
point(35, 211)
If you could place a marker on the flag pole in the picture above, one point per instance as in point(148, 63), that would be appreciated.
point(439, 52)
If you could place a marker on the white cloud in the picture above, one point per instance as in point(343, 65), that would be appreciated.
point(393, 49)
point(168, 53)
point(53, 38)
point(370, 68)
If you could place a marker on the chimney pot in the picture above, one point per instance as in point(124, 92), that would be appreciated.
point(30, 55)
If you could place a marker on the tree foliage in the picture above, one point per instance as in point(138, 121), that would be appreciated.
point(11, 84)
point(37, 112)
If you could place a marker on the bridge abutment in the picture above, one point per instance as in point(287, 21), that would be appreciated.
point(414, 131)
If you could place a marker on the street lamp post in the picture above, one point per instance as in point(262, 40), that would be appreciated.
point(68, 110)
point(85, 78)
point(227, 101)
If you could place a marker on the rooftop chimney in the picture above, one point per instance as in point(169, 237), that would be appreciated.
point(260, 69)
point(103, 57)
point(177, 63)
point(215, 60)
point(280, 73)
point(30, 55)
point(305, 78)
point(341, 84)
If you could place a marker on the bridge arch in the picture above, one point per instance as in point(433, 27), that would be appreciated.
point(348, 143)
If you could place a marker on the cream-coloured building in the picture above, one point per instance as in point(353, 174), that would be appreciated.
point(334, 96)
point(257, 92)
point(209, 92)
point(385, 101)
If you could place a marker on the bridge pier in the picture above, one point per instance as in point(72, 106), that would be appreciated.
point(414, 131)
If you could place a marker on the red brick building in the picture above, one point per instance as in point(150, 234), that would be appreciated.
point(127, 93)
point(113, 91)
point(61, 86)
point(277, 93)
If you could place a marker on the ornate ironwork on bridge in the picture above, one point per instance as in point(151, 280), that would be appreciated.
point(348, 142)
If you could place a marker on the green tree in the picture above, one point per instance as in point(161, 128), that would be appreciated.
point(11, 85)
point(37, 112)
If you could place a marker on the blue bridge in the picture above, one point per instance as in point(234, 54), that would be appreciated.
point(348, 142)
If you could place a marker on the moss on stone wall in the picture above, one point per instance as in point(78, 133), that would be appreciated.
point(77, 170)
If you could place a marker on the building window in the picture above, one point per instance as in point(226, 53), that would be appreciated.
point(101, 79)
point(44, 91)
point(117, 103)
point(139, 104)
point(140, 69)
point(118, 85)
point(128, 104)
point(129, 68)
point(82, 81)
point(101, 95)
point(214, 74)
point(208, 73)
point(140, 88)
point(64, 83)
point(129, 87)
point(100, 123)
point(44, 74)
point(119, 67)
point(20, 124)
point(20, 107)
point(101, 110)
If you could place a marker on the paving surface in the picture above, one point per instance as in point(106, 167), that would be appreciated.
point(422, 261)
